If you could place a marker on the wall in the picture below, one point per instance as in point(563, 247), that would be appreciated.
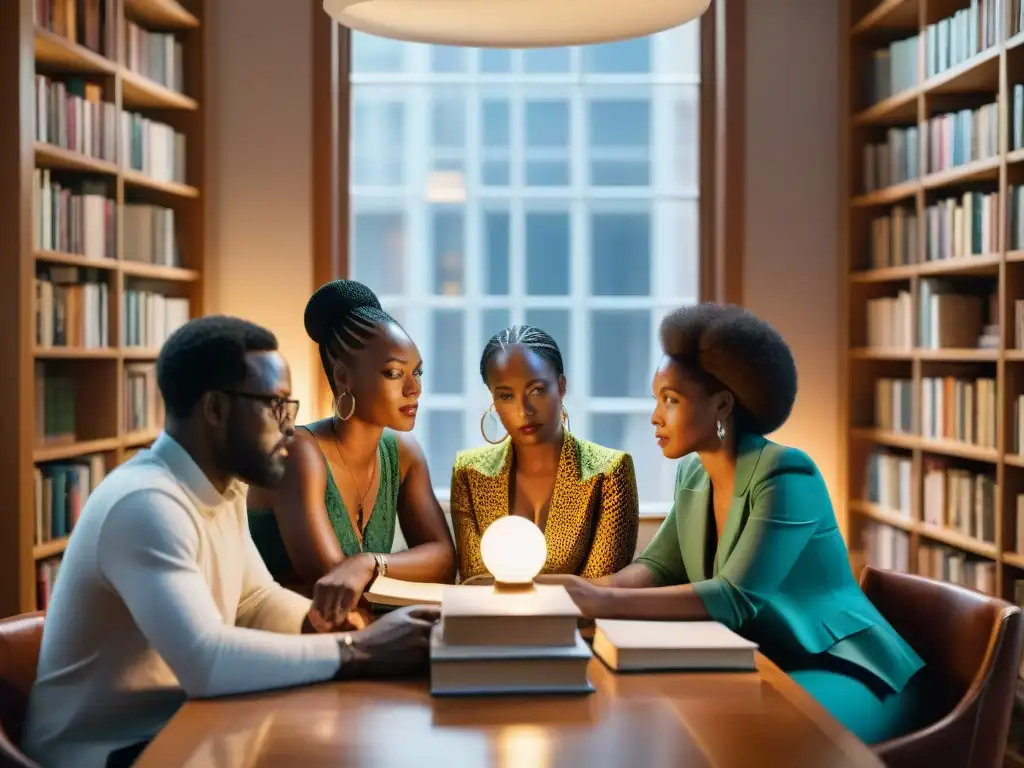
point(792, 207)
point(259, 123)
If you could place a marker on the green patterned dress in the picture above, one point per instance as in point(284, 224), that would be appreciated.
point(378, 533)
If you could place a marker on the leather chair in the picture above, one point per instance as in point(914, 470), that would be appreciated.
point(971, 644)
point(20, 637)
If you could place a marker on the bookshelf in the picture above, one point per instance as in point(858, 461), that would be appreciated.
point(101, 247)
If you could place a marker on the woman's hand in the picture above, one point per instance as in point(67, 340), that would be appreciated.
point(337, 594)
point(591, 599)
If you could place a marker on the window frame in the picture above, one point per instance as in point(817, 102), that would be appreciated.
point(720, 212)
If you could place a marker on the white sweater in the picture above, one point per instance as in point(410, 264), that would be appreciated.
point(162, 595)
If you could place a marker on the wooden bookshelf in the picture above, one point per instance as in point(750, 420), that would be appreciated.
point(931, 295)
point(129, 265)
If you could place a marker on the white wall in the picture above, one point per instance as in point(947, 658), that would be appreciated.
point(259, 123)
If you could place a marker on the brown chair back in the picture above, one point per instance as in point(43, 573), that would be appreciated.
point(971, 644)
point(20, 638)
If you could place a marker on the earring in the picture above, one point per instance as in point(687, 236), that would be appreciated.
point(720, 428)
point(565, 420)
point(337, 406)
point(483, 431)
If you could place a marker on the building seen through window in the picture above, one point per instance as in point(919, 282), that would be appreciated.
point(557, 187)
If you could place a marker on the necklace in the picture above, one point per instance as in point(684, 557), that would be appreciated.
point(373, 472)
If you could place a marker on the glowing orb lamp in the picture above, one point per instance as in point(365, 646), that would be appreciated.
point(513, 550)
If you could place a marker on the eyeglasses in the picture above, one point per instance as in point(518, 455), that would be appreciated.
point(281, 408)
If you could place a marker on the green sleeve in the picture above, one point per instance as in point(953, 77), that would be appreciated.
point(785, 512)
point(663, 556)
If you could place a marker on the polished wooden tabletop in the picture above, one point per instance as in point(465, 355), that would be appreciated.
point(761, 720)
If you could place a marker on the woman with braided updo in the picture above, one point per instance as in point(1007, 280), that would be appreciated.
point(582, 496)
point(752, 540)
point(350, 477)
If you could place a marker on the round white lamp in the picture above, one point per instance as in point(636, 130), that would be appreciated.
point(513, 23)
point(513, 550)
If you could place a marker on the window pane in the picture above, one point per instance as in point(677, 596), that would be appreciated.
point(622, 367)
point(495, 60)
point(555, 322)
point(448, 58)
point(444, 433)
point(677, 245)
point(492, 321)
point(547, 173)
point(372, 54)
point(494, 173)
point(447, 352)
point(547, 124)
point(619, 123)
point(620, 246)
point(678, 50)
point(633, 433)
point(448, 122)
point(547, 253)
point(686, 137)
point(494, 116)
point(449, 250)
point(546, 60)
point(378, 128)
point(378, 251)
point(628, 56)
point(495, 239)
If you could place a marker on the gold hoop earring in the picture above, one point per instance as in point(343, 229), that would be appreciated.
point(565, 420)
point(337, 406)
point(483, 431)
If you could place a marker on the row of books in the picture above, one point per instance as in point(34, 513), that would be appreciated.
point(953, 408)
point(71, 308)
point(156, 55)
point(890, 321)
point(951, 320)
point(888, 548)
point(61, 490)
point(893, 69)
point(960, 500)
point(152, 148)
point(1016, 214)
point(73, 217)
point(77, 216)
point(951, 41)
point(46, 576)
point(54, 406)
point(887, 481)
point(952, 497)
point(73, 115)
point(92, 23)
point(894, 404)
point(961, 227)
point(149, 318)
point(893, 161)
point(962, 137)
point(894, 238)
point(144, 408)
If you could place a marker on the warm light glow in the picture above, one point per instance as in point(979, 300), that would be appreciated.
point(513, 550)
point(513, 23)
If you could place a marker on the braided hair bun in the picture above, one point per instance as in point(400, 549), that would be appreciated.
point(333, 304)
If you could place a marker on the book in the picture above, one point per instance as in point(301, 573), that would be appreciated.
point(397, 593)
point(634, 646)
point(507, 669)
point(544, 615)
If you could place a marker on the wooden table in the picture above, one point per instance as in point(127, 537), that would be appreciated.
point(633, 721)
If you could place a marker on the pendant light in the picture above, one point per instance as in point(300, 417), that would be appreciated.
point(513, 23)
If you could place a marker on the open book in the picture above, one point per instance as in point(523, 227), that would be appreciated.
point(397, 593)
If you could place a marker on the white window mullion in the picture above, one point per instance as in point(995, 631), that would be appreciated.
point(578, 401)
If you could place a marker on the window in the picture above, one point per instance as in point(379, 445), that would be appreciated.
point(557, 187)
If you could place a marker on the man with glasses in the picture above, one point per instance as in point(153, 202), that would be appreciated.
point(162, 594)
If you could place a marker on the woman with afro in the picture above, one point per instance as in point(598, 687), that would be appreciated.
point(752, 540)
point(350, 477)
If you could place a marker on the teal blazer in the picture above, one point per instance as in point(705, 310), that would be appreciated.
point(781, 574)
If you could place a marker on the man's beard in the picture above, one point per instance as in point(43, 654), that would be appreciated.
point(241, 457)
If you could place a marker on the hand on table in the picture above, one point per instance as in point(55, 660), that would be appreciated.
point(337, 594)
point(589, 598)
point(397, 644)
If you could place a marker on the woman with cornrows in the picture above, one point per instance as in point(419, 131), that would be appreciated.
point(581, 495)
point(351, 478)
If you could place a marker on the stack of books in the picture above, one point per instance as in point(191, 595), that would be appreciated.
point(498, 641)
